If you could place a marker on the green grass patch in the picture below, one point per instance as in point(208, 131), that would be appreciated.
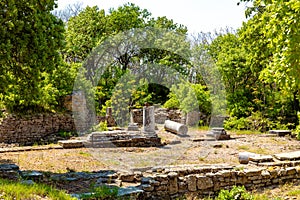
point(243, 147)
point(202, 128)
point(294, 193)
point(85, 154)
point(15, 190)
point(104, 192)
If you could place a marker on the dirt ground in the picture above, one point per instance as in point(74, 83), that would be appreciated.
point(189, 149)
point(179, 150)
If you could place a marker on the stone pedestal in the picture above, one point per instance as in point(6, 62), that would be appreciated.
point(148, 120)
point(108, 112)
point(109, 117)
point(132, 126)
point(218, 134)
point(192, 118)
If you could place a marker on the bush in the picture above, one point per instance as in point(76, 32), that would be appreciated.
point(254, 122)
point(236, 193)
point(102, 126)
point(233, 123)
point(172, 103)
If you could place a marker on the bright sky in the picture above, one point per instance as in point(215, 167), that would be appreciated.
point(197, 15)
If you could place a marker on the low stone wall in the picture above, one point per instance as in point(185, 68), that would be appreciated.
point(169, 182)
point(27, 130)
point(175, 183)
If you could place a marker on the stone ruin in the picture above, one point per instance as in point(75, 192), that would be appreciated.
point(132, 137)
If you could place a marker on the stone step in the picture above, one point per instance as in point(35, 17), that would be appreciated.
point(261, 158)
point(68, 144)
point(288, 156)
point(277, 164)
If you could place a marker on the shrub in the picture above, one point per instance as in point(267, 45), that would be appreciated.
point(236, 193)
point(102, 126)
point(172, 103)
point(233, 123)
point(257, 121)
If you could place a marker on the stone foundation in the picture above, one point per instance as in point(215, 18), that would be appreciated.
point(166, 182)
point(120, 138)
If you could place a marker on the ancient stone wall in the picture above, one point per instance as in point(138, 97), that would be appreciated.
point(27, 130)
point(171, 182)
point(202, 182)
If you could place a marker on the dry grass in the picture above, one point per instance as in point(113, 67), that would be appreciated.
point(54, 160)
point(287, 191)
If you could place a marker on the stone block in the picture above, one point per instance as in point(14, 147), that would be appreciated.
point(127, 177)
point(288, 156)
point(69, 144)
point(204, 182)
point(280, 133)
point(173, 184)
point(192, 183)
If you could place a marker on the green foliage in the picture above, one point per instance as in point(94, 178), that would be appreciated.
point(254, 122)
point(83, 33)
point(103, 126)
point(67, 134)
point(103, 110)
point(236, 193)
point(30, 39)
point(141, 95)
point(93, 27)
point(173, 102)
point(120, 101)
point(189, 97)
point(273, 30)
point(101, 193)
point(234, 123)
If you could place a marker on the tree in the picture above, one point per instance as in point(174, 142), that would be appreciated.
point(30, 39)
point(271, 37)
point(84, 31)
point(230, 58)
point(69, 11)
point(93, 31)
